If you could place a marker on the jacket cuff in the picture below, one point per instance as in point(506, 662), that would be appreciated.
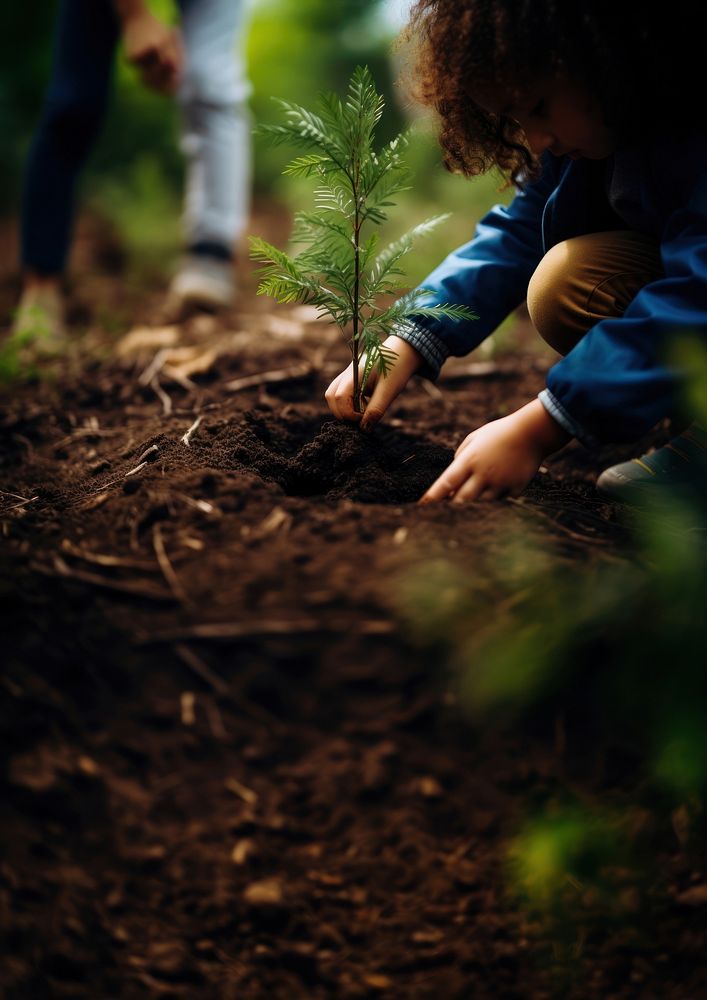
point(430, 348)
point(557, 411)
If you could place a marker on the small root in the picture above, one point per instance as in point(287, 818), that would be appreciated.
point(167, 568)
point(163, 396)
point(186, 438)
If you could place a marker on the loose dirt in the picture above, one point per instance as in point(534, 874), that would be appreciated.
point(230, 771)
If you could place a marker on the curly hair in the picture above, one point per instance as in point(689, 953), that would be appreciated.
point(643, 62)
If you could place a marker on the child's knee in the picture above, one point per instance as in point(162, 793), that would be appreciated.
point(556, 299)
point(586, 279)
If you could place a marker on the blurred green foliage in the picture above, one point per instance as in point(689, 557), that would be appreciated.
point(298, 49)
point(295, 49)
point(689, 355)
point(612, 651)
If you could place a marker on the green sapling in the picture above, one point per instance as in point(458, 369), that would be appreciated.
point(340, 269)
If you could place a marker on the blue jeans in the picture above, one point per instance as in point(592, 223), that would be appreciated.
point(213, 98)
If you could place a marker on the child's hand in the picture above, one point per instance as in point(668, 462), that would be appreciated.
point(382, 390)
point(156, 50)
point(499, 458)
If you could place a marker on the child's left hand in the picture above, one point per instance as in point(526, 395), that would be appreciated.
point(499, 458)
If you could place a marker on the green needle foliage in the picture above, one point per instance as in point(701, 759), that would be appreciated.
point(341, 269)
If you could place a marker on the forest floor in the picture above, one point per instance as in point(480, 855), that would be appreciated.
point(232, 769)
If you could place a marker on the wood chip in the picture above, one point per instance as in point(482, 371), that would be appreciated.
point(277, 520)
point(430, 788)
point(695, 896)
point(242, 850)
point(266, 893)
point(377, 981)
point(187, 702)
point(288, 329)
point(88, 766)
point(145, 338)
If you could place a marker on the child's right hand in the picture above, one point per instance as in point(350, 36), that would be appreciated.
point(155, 49)
point(381, 390)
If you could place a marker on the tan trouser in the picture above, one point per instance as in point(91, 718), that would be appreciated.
point(586, 279)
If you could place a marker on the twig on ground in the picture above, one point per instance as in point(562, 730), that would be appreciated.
point(21, 505)
point(167, 568)
point(266, 378)
point(203, 505)
point(186, 438)
point(154, 367)
point(94, 501)
point(148, 451)
point(204, 672)
point(133, 471)
point(103, 560)
point(179, 378)
point(60, 568)
point(221, 688)
point(88, 432)
point(244, 793)
point(163, 396)
point(27, 444)
point(160, 366)
point(142, 462)
point(270, 627)
point(584, 539)
point(15, 496)
point(101, 494)
point(218, 730)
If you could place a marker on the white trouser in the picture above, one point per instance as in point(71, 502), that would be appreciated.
point(216, 126)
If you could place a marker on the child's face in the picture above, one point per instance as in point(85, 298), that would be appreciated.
point(556, 115)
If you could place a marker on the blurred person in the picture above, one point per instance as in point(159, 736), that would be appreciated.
point(201, 65)
point(595, 113)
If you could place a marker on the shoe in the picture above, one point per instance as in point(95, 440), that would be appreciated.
point(39, 321)
point(203, 282)
point(679, 467)
point(37, 335)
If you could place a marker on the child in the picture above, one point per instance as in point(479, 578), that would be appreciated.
point(595, 111)
point(201, 65)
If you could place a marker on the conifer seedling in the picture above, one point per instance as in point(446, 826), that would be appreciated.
point(340, 269)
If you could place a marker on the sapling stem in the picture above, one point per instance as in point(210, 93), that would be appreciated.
point(355, 343)
point(340, 269)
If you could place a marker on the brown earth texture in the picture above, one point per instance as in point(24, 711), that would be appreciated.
point(235, 760)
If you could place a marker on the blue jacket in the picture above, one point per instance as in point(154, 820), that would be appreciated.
point(615, 384)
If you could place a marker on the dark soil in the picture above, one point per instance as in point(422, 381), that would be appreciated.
point(229, 771)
